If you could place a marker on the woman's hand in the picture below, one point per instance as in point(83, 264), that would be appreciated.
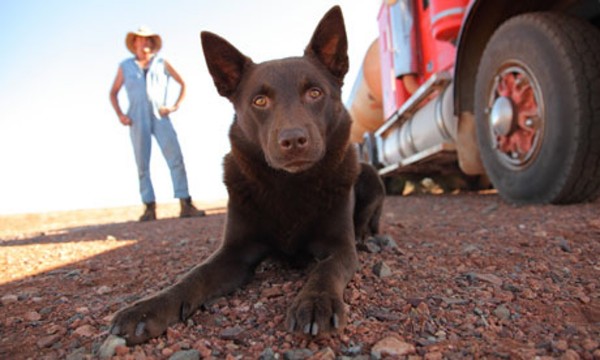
point(165, 111)
point(125, 120)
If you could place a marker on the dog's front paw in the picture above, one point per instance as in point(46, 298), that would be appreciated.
point(316, 313)
point(142, 321)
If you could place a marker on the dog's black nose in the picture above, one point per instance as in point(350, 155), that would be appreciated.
point(294, 138)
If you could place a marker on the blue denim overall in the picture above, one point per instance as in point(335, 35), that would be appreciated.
point(146, 94)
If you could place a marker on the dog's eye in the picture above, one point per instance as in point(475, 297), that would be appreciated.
point(260, 101)
point(314, 93)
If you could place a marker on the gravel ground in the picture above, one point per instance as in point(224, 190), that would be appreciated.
point(457, 277)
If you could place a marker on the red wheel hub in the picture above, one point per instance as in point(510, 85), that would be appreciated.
point(521, 124)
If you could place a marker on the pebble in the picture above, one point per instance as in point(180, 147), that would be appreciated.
point(56, 329)
point(297, 354)
point(48, 341)
point(502, 312)
point(391, 346)
point(491, 278)
point(77, 354)
point(564, 244)
point(103, 290)
point(436, 355)
point(32, 316)
point(272, 292)
point(561, 345)
point(231, 333)
point(85, 331)
point(323, 354)
point(570, 354)
point(186, 355)
point(371, 247)
point(9, 299)
point(381, 269)
point(107, 349)
point(267, 354)
point(589, 344)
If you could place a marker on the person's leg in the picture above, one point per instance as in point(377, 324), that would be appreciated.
point(169, 144)
point(141, 139)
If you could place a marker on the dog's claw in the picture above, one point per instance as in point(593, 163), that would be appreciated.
point(336, 321)
point(115, 329)
point(139, 329)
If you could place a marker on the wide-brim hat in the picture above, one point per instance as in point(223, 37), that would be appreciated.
point(143, 31)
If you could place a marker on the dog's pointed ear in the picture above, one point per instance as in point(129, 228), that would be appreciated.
point(329, 43)
point(225, 63)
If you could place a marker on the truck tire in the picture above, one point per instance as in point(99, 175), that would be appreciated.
point(537, 105)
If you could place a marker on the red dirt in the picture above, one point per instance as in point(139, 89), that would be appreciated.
point(471, 277)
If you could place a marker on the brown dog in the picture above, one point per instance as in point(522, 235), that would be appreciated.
point(293, 180)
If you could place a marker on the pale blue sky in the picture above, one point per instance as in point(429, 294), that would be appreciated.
point(61, 145)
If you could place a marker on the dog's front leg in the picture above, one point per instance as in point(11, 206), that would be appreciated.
point(223, 272)
point(319, 307)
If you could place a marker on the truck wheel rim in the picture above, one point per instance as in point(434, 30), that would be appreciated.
point(515, 115)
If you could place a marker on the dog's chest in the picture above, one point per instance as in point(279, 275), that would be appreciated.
point(290, 217)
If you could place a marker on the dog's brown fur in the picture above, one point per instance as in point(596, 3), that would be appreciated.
point(295, 186)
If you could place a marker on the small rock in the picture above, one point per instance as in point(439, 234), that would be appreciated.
point(590, 345)
point(103, 290)
point(107, 349)
point(83, 310)
point(48, 341)
point(85, 331)
point(564, 244)
point(272, 292)
point(323, 354)
point(489, 209)
point(297, 354)
point(381, 269)
point(186, 355)
point(32, 316)
point(570, 354)
point(121, 350)
point(72, 274)
point(231, 333)
point(391, 346)
point(385, 241)
point(352, 350)
point(370, 247)
point(502, 312)
point(47, 310)
point(56, 329)
point(267, 354)
point(560, 345)
point(436, 355)
point(8, 299)
point(491, 278)
point(77, 354)
point(469, 249)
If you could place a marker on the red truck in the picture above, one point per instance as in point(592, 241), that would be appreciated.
point(507, 90)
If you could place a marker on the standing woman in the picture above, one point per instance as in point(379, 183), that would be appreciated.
point(146, 77)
